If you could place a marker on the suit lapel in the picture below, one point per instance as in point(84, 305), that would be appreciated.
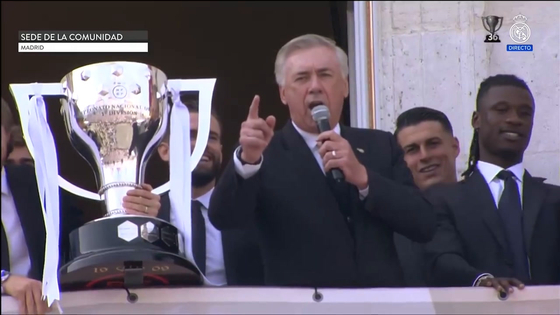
point(311, 178)
point(23, 187)
point(480, 198)
point(228, 239)
point(533, 198)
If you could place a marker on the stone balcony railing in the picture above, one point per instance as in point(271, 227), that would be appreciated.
point(231, 300)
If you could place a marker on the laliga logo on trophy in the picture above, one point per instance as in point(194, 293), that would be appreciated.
point(520, 31)
point(492, 24)
point(115, 115)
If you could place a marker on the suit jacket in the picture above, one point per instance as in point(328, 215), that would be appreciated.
point(470, 239)
point(242, 257)
point(23, 186)
point(305, 239)
point(412, 256)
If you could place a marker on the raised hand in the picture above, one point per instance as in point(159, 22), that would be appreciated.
point(255, 133)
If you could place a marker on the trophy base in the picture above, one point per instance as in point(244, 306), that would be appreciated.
point(128, 268)
point(127, 251)
point(492, 38)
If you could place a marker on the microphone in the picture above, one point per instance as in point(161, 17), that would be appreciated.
point(321, 115)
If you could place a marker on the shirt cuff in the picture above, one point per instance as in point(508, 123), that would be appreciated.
point(364, 193)
point(475, 283)
point(245, 170)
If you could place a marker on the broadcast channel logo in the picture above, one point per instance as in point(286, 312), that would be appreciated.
point(520, 33)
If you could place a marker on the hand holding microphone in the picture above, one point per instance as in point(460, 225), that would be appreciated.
point(338, 156)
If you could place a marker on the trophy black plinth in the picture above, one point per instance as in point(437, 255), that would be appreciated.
point(126, 251)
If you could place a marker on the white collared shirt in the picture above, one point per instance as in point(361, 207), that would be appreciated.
point(20, 263)
point(215, 266)
point(490, 173)
point(310, 139)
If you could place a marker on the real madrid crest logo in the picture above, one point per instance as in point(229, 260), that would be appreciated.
point(520, 31)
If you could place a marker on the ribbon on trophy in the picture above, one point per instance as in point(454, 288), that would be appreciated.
point(180, 176)
point(43, 150)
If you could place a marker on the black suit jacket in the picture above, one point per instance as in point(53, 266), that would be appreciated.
point(470, 239)
point(412, 256)
point(23, 186)
point(304, 237)
point(242, 257)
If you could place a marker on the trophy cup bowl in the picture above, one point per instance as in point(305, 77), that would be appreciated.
point(115, 115)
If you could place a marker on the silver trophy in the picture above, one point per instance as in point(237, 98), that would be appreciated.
point(116, 114)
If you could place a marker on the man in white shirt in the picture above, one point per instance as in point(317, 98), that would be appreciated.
point(225, 258)
point(499, 227)
point(16, 262)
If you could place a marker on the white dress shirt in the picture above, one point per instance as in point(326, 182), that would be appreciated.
point(215, 267)
point(20, 263)
point(490, 173)
point(310, 139)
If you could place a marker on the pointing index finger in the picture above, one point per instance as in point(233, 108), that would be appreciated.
point(254, 109)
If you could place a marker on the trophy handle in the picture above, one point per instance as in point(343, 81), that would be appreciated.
point(22, 93)
point(500, 21)
point(485, 24)
point(205, 88)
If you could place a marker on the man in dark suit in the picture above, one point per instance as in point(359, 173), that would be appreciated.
point(230, 257)
point(430, 151)
point(315, 232)
point(499, 227)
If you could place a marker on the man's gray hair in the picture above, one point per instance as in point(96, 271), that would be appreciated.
point(306, 42)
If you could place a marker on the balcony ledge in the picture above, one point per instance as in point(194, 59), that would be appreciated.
point(233, 300)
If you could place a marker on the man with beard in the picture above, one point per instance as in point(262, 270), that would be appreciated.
point(229, 257)
point(500, 226)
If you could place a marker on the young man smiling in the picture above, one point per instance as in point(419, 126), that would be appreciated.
point(430, 151)
point(500, 227)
